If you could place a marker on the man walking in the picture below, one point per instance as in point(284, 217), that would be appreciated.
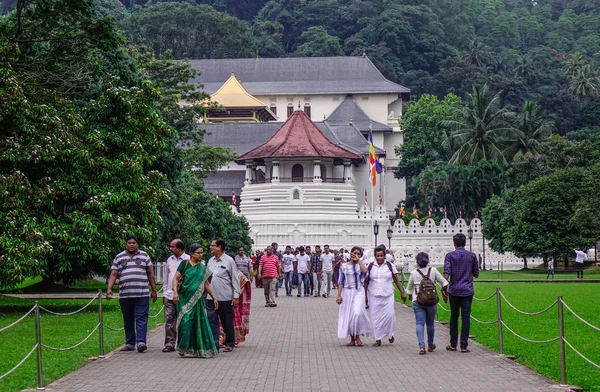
point(243, 263)
point(301, 269)
point(309, 272)
point(327, 259)
point(269, 271)
point(580, 257)
point(226, 287)
point(178, 255)
point(278, 282)
point(460, 267)
point(289, 262)
point(133, 268)
point(315, 270)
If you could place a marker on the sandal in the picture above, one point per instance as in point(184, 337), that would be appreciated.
point(465, 350)
point(422, 351)
point(450, 348)
point(392, 340)
point(228, 349)
point(431, 348)
point(351, 344)
point(377, 343)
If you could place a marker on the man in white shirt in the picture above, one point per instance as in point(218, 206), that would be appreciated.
point(580, 257)
point(170, 268)
point(289, 260)
point(301, 269)
point(327, 268)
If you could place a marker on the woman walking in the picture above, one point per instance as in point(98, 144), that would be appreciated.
point(380, 296)
point(194, 336)
point(353, 319)
point(425, 315)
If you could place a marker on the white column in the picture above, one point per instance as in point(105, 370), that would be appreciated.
point(347, 172)
point(275, 177)
point(248, 173)
point(317, 171)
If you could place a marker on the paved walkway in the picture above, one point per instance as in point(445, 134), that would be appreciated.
point(294, 347)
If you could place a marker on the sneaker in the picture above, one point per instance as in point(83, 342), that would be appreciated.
point(324, 295)
point(299, 295)
point(273, 305)
point(141, 347)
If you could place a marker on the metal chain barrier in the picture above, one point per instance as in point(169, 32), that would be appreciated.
point(20, 363)
point(440, 306)
point(484, 299)
point(18, 321)
point(580, 354)
point(72, 347)
point(528, 313)
point(579, 318)
point(159, 312)
point(529, 340)
point(70, 313)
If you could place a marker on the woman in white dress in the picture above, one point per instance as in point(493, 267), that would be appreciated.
point(353, 319)
point(380, 296)
point(425, 315)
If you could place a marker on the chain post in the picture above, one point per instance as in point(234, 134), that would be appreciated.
point(101, 325)
point(561, 340)
point(499, 314)
point(38, 338)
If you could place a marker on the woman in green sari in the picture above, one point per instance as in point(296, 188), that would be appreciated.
point(194, 336)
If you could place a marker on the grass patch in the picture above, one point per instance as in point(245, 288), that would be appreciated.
point(583, 298)
point(57, 331)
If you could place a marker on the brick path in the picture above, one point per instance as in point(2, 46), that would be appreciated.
point(294, 347)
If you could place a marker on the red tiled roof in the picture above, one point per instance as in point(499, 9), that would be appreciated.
point(298, 137)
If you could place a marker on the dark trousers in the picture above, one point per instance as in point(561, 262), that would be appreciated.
point(135, 319)
point(462, 305)
point(579, 267)
point(225, 314)
point(170, 323)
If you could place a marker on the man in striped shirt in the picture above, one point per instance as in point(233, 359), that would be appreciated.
point(133, 268)
point(269, 270)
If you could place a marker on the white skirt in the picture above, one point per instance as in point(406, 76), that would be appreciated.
point(353, 318)
point(383, 316)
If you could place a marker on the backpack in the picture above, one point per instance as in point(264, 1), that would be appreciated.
point(427, 295)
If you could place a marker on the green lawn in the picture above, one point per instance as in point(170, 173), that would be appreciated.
point(57, 331)
point(583, 298)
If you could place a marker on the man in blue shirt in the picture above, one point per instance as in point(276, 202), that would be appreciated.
point(460, 267)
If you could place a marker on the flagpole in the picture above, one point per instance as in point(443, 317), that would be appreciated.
point(372, 218)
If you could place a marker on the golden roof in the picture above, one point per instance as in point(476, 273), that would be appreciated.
point(233, 95)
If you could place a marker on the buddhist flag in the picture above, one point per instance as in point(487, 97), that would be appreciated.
point(217, 195)
point(402, 211)
point(366, 198)
point(429, 210)
point(476, 214)
point(380, 198)
point(233, 198)
point(374, 166)
point(445, 212)
point(415, 212)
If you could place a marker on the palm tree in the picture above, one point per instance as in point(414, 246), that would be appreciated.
point(524, 67)
point(586, 82)
point(574, 64)
point(535, 130)
point(478, 54)
point(482, 129)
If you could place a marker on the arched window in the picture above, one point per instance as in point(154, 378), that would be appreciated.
point(296, 194)
point(297, 173)
point(323, 172)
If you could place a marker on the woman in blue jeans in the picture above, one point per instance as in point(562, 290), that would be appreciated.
point(425, 315)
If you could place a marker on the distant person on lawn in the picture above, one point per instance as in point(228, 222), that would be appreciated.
point(550, 268)
point(133, 268)
point(580, 257)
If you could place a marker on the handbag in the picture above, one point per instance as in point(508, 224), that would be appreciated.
point(180, 280)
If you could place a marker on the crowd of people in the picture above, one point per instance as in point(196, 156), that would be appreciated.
point(207, 304)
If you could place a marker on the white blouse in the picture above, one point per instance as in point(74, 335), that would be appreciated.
point(381, 279)
point(415, 280)
point(351, 277)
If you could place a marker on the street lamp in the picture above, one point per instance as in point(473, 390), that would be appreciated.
point(376, 231)
point(470, 234)
point(390, 232)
